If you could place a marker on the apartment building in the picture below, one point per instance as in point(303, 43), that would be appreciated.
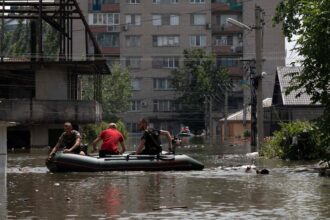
point(149, 36)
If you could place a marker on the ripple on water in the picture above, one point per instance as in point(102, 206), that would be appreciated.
point(27, 170)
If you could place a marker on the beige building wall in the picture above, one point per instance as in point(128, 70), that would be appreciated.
point(147, 94)
point(273, 44)
point(51, 84)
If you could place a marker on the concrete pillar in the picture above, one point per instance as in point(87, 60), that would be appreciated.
point(3, 170)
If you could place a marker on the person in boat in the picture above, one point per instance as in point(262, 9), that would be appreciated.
point(150, 141)
point(69, 141)
point(111, 137)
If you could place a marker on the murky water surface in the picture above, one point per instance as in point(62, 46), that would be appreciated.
point(221, 191)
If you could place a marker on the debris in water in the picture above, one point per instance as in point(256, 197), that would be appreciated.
point(169, 207)
point(56, 184)
point(263, 171)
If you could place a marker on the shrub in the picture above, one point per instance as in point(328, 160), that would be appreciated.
point(294, 141)
point(246, 134)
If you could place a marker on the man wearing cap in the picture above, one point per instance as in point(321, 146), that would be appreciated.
point(110, 137)
point(70, 141)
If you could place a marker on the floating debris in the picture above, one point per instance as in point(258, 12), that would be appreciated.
point(169, 207)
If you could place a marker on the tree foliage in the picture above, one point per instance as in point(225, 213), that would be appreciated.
point(198, 80)
point(116, 91)
point(281, 145)
point(19, 40)
point(309, 20)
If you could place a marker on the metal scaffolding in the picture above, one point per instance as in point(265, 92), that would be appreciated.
point(59, 14)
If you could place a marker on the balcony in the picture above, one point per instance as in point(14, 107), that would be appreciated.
point(30, 111)
point(110, 8)
point(230, 6)
point(225, 28)
point(227, 50)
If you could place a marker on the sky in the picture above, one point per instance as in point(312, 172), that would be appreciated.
point(291, 56)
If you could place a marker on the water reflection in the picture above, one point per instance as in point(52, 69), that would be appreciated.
point(222, 190)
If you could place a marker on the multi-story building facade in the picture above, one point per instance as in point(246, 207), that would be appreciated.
point(149, 36)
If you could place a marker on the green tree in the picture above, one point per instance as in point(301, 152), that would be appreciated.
point(19, 42)
point(309, 20)
point(198, 80)
point(116, 91)
point(51, 42)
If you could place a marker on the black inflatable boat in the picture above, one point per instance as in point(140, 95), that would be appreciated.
point(64, 162)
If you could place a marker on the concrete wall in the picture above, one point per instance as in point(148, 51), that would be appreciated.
point(273, 45)
point(51, 84)
point(39, 134)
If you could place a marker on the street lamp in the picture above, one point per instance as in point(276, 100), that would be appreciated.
point(257, 79)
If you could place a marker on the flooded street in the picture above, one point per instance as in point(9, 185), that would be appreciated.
point(221, 191)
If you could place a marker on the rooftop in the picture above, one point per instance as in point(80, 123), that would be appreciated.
point(284, 80)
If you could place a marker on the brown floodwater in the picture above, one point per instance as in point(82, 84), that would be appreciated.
point(292, 190)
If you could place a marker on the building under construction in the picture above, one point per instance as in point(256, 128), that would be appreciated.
point(40, 91)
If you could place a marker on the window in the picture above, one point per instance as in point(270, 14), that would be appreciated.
point(96, 5)
point(162, 84)
point(222, 19)
point(198, 41)
point(136, 84)
point(133, 41)
point(113, 19)
point(164, 106)
point(108, 39)
point(197, 1)
point(110, 1)
point(174, 20)
point(165, 19)
point(156, 20)
point(135, 106)
point(165, 62)
point(165, 1)
point(104, 19)
point(165, 41)
point(198, 19)
point(224, 40)
point(133, 62)
point(133, 1)
point(133, 19)
point(132, 127)
point(227, 62)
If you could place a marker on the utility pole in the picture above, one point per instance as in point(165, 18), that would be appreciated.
point(259, 41)
point(257, 123)
point(2, 37)
point(211, 118)
point(254, 85)
point(226, 115)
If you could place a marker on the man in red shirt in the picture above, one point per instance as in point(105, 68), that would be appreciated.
point(110, 137)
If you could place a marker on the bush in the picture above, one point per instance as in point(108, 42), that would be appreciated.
point(246, 134)
point(295, 141)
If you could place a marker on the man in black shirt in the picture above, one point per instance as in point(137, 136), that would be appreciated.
point(150, 141)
